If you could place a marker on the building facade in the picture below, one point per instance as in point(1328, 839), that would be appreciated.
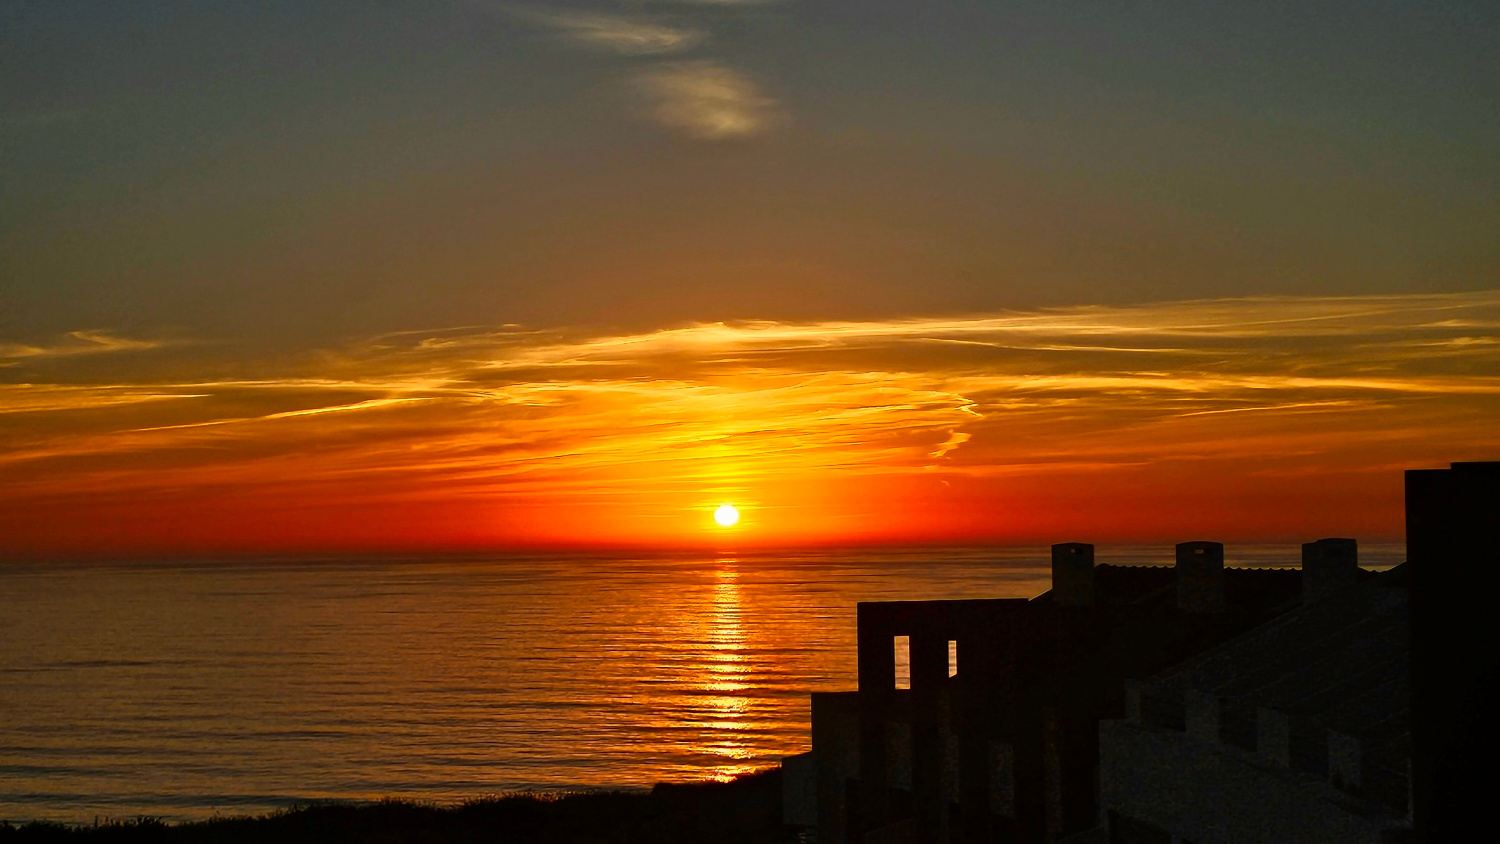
point(997, 737)
point(1298, 730)
point(1320, 704)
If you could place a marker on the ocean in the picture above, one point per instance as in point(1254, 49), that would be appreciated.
point(188, 689)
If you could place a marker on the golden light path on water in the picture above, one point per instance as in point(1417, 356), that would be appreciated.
point(727, 674)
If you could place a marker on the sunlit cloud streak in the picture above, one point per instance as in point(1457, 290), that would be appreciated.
point(77, 343)
point(646, 425)
point(614, 33)
point(702, 100)
point(706, 101)
point(713, 2)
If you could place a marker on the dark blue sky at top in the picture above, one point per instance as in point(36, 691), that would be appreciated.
point(305, 171)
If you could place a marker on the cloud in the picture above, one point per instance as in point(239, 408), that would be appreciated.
point(706, 101)
point(699, 99)
point(715, 2)
point(77, 343)
point(43, 398)
point(1273, 387)
point(616, 34)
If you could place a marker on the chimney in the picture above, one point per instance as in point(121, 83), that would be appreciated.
point(1073, 574)
point(1329, 567)
point(1200, 577)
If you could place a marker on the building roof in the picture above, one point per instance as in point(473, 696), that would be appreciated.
point(1342, 661)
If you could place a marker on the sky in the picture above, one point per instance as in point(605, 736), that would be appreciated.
point(315, 276)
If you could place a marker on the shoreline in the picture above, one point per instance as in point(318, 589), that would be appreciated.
point(746, 809)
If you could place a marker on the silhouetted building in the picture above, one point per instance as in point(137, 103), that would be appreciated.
point(1453, 548)
point(1321, 704)
point(1006, 747)
point(1299, 730)
point(1366, 715)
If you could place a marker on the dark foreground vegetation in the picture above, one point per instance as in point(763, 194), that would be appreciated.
point(746, 811)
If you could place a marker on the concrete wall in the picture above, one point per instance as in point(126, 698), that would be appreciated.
point(835, 737)
point(799, 789)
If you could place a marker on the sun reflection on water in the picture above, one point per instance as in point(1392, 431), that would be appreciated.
point(430, 679)
point(726, 676)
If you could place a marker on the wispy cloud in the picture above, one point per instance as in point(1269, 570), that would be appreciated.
point(706, 101)
point(615, 33)
point(714, 2)
point(77, 343)
point(700, 99)
point(652, 422)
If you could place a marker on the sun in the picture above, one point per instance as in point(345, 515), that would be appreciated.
point(727, 515)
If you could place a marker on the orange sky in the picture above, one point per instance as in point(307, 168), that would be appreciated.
point(339, 277)
point(1275, 419)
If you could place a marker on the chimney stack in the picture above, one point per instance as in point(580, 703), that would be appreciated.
point(1200, 577)
point(1073, 574)
point(1329, 567)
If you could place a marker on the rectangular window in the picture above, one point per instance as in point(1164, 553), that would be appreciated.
point(952, 657)
point(903, 662)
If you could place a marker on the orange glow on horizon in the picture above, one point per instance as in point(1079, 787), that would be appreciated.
point(1240, 419)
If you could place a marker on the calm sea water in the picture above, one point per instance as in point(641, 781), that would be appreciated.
point(184, 690)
